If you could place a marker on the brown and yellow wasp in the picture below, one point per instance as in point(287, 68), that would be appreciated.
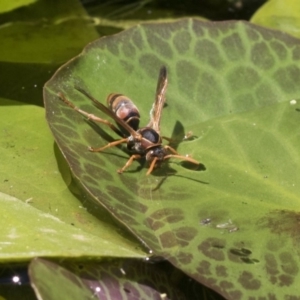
point(142, 142)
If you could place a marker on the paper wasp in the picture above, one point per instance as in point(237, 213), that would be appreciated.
point(142, 142)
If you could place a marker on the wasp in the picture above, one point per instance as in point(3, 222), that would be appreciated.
point(142, 142)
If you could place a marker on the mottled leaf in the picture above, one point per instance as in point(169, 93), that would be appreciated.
point(232, 224)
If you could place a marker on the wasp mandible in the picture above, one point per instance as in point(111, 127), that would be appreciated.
point(142, 142)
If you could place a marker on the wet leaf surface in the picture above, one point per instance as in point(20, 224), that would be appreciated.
point(232, 224)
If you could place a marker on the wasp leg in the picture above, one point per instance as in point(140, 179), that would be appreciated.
point(88, 115)
point(167, 147)
point(177, 155)
point(129, 162)
point(112, 144)
point(152, 166)
point(187, 158)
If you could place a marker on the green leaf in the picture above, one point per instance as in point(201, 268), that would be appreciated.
point(232, 225)
point(27, 233)
point(114, 279)
point(29, 171)
point(279, 14)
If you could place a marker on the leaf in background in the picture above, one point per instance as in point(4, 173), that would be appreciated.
point(35, 40)
point(114, 279)
point(233, 226)
point(6, 6)
point(279, 14)
point(29, 171)
point(45, 32)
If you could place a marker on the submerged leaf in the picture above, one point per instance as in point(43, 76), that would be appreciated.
point(231, 225)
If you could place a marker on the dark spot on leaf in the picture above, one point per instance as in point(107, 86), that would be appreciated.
point(67, 131)
point(155, 225)
point(285, 280)
point(252, 34)
point(265, 94)
point(233, 47)
point(181, 41)
point(271, 264)
point(261, 56)
point(122, 196)
point(226, 284)
point(166, 212)
point(112, 46)
point(128, 49)
point(279, 49)
point(241, 77)
point(204, 268)
point(90, 180)
point(287, 78)
point(198, 28)
point(185, 258)
point(248, 281)
point(221, 271)
point(213, 248)
point(147, 61)
point(174, 218)
point(186, 233)
point(158, 44)
point(288, 263)
point(207, 51)
point(138, 40)
point(281, 222)
point(125, 209)
point(186, 77)
point(168, 239)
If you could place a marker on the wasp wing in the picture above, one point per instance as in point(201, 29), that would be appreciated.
point(155, 113)
point(108, 112)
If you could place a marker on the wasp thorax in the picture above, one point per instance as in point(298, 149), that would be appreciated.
point(150, 134)
point(125, 109)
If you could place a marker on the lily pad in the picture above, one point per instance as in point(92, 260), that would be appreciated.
point(231, 225)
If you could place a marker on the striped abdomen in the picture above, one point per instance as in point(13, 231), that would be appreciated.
point(124, 108)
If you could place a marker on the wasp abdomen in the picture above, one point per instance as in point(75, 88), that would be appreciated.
point(125, 109)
